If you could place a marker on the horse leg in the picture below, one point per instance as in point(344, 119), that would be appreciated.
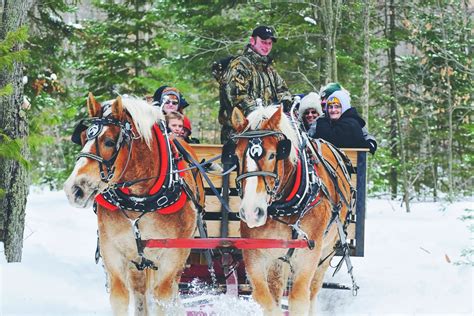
point(257, 273)
point(138, 284)
point(119, 295)
point(277, 279)
point(166, 279)
point(317, 283)
point(117, 268)
point(304, 266)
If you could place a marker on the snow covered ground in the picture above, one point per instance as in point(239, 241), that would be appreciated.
point(408, 268)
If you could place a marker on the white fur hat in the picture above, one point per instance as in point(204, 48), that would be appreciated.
point(310, 101)
point(343, 97)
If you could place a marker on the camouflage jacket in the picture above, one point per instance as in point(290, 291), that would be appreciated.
point(251, 76)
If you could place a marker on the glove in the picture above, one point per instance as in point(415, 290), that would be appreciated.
point(372, 146)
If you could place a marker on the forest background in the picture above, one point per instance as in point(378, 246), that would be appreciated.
point(407, 64)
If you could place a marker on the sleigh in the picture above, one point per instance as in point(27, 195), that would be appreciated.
point(217, 259)
point(285, 205)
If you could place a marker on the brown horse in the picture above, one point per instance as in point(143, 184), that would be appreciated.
point(128, 165)
point(274, 196)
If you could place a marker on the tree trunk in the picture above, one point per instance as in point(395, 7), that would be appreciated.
point(365, 88)
point(13, 176)
point(319, 44)
point(137, 41)
point(393, 177)
point(331, 16)
point(394, 102)
point(449, 100)
point(433, 165)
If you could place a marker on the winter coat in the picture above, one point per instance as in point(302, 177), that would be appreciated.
point(346, 132)
point(251, 76)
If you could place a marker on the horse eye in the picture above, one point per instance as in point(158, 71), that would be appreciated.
point(109, 143)
point(272, 156)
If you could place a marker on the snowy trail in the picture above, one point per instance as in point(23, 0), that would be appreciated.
point(405, 270)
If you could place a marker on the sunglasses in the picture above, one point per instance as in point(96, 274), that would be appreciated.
point(172, 102)
point(314, 112)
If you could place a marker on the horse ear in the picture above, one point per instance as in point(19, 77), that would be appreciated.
point(94, 107)
point(117, 108)
point(238, 120)
point(273, 122)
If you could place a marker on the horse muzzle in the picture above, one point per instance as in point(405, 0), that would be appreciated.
point(80, 192)
point(255, 217)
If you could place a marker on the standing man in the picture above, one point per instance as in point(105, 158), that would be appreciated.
point(250, 76)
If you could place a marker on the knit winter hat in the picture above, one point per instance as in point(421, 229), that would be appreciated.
point(329, 89)
point(157, 98)
point(343, 97)
point(310, 101)
point(170, 91)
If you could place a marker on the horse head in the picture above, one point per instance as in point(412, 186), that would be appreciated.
point(264, 154)
point(106, 138)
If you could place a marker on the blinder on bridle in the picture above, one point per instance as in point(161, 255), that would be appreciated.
point(256, 151)
point(228, 154)
point(283, 149)
point(255, 147)
point(95, 126)
point(76, 134)
point(93, 130)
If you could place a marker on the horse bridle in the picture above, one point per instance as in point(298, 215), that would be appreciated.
point(94, 130)
point(256, 151)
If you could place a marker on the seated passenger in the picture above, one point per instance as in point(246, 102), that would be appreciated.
point(174, 122)
point(169, 100)
point(169, 94)
point(309, 111)
point(342, 126)
point(328, 90)
point(187, 130)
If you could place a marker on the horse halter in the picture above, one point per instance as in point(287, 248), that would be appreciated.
point(93, 131)
point(256, 151)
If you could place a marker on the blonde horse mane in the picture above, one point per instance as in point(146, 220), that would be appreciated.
point(144, 116)
point(261, 114)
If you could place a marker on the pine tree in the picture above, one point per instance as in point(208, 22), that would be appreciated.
point(51, 88)
point(116, 52)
